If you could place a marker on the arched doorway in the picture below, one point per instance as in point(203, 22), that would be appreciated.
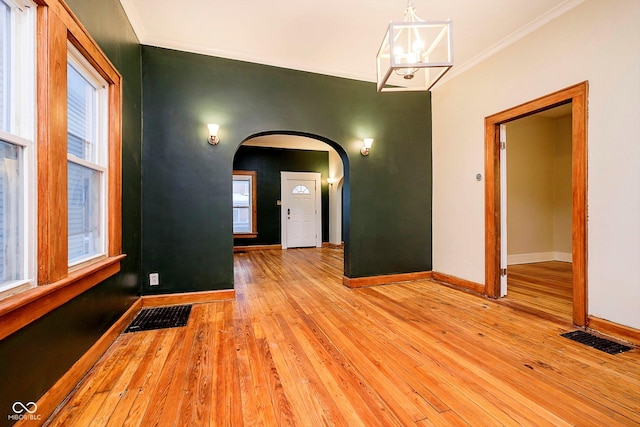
point(266, 155)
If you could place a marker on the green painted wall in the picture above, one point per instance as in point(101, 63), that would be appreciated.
point(268, 163)
point(34, 358)
point(186, 206)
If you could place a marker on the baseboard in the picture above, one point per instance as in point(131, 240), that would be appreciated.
point(459, 283)
point(361, 282)
point(333, 245)
point(614, 330)
point(256, 248)
point(538, 257)
point(188, 298)
point(50, 401)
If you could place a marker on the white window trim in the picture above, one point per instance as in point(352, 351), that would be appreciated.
point(22, 124)
point(100, 163)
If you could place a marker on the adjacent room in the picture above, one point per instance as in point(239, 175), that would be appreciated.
point(397, 213)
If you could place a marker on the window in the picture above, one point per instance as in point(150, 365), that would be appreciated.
point(244, 204)
point(17, 149)
point(301, 189)
point(87, 116)
point(60, 198)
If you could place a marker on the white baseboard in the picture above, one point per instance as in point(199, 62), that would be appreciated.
point(538, 257)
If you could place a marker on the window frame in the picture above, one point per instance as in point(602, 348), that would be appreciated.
point(100, 133)
point(19, 131)
point(251, 176)
point(57, 284)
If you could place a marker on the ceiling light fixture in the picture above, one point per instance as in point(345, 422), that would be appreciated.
point(414, 54)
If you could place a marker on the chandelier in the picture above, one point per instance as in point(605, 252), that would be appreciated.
point(414, 53)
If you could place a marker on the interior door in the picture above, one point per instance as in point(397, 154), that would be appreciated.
point(301, 210)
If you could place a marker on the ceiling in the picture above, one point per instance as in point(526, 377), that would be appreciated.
point(333, 37)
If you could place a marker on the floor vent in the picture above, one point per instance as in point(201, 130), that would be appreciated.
point(599, 343)
point(160, 318)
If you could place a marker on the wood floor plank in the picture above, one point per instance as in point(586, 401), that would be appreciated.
point(144, 381)
point(577, 384)
point(542, 286)
point(168, 393)
point(296, 348)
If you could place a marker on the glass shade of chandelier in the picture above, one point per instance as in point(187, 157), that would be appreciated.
point(414, 54)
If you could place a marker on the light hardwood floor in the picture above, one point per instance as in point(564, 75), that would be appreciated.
point(298, 348)
point(542, 287)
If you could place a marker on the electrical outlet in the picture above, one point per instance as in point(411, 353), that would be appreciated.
point(154, 279)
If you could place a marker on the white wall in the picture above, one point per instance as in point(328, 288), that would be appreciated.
point(539, 189)
point(562, 192)
point(598, 41)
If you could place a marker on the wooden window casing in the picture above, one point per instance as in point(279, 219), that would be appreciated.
point(57, 26)
point(254, 210)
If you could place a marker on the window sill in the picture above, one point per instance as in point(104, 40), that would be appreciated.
point(245, 235)
point(19, 310)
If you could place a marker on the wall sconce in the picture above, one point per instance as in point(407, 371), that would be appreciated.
point(213, 133)
point(366, 146)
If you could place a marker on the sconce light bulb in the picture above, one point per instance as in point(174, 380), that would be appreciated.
point(213, 133)
point(366, 146)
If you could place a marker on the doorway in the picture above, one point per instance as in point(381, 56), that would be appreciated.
point(301, 210)
point(495, 267)
point(538, 213)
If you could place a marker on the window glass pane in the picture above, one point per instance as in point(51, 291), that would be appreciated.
point(5, 65)
point(11, 213)
point(242, 220)
point(81, 101)
point(301, 189)
point(84, 212)
point(241, 192)
point(243, 209)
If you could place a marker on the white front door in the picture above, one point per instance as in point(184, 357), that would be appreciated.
point(301, 210)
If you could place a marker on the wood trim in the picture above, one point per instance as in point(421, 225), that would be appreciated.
point(21, 309)
point(51, 147)
point(578, 95)
point(579, 205)
point(333, 245)
point(615, 330)
point(492, 209)
point(256, 248)
point(188, 298)
point(361, 282)
point(457, 282)
point(48, 403)
point(56, 27)
point(115, 169)
point(81, 38)
point(245, 235)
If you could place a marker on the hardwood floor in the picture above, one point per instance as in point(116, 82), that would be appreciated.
point(298, 348)
point(543, 287)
